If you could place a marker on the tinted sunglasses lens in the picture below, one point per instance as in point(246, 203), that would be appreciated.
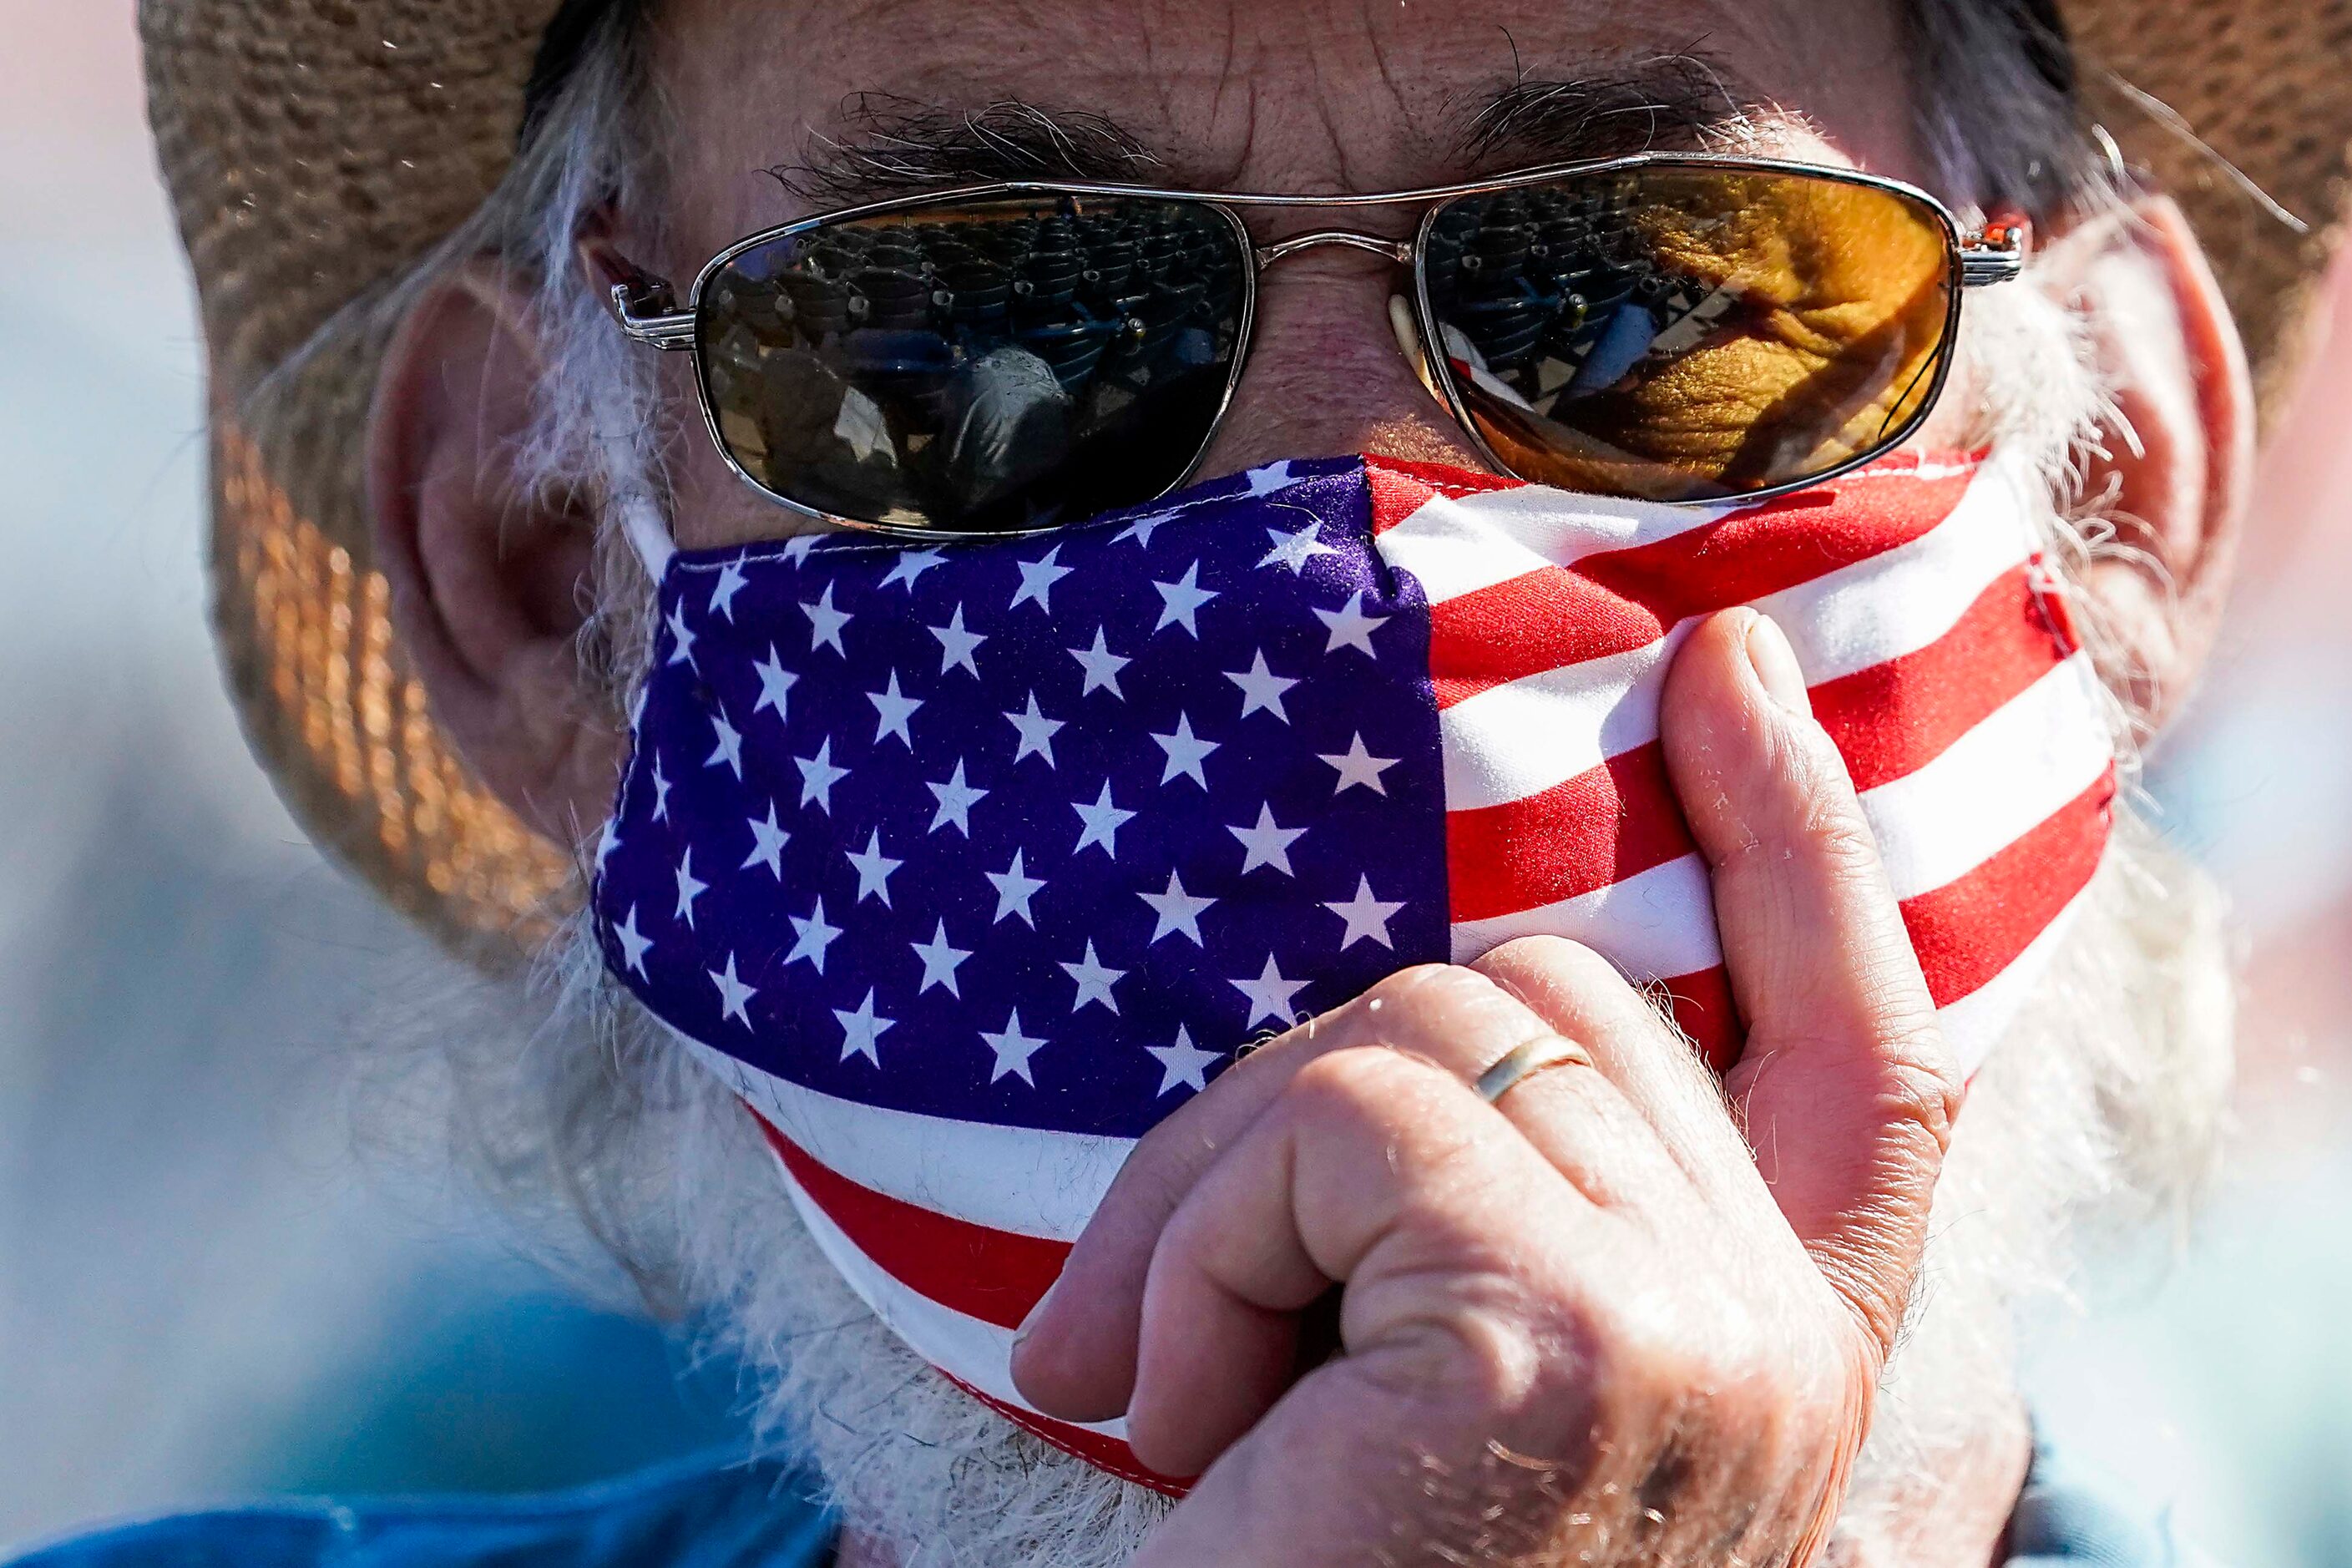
point(1688, 333)
point(989, 367)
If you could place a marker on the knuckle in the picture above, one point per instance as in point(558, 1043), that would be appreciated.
point(1555, 963)
point(1483, 1355)
point(1361, 1085)
point(1923, 1086)
point(1427, 987)
point(1442, 1011)
point(1409, 1110)
point(1841, 835)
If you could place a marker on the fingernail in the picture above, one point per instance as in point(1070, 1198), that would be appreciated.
point(1775, 663)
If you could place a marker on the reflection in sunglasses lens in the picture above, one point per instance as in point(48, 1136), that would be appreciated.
point(1688, 333)
point(983, 368)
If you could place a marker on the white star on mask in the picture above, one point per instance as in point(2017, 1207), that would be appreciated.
point(1262, 689)
point(1350, 627)
point(1186, 753)
point(688, 887)
point(957, 645)
point(956, 800)
point(768, 842)
point(873, 869)
point(1358, 766)
point(722, 593)
point(1296, 550)
point(1270, 994)
point(939, 962)
point(1273, 477)
point(729, 753)
point(681, 640)
point(733, 994)
point(1183, 1063)
point(1014, 888)
point(1267, 845)
point(1102, 667)
point(861, 1032)
point(910, 566)
point(1103, 821)
point(1179, 911)
point(1180, 601)
point(1037, 580)
point(1368, 917)
point(1036, 732)
point(811, 937)
point(661, 793)
point(1013, 1050)
point(825, 623)
point(818, 775)
point(1094, 981)
point(775, 684)
point(1142, 528)
point(634, 946)
point(892, 709)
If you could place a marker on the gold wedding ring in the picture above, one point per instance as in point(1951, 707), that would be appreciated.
point(1523, 1062)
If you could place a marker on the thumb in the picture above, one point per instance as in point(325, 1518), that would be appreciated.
point(1846, 1091)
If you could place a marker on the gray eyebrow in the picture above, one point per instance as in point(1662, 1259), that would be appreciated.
point(1669, 102)
point(888, 145)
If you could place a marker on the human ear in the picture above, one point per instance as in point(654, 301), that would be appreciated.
point(2174, 457)
point(490, 575)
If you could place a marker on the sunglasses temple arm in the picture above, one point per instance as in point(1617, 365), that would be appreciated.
point(645, 306)
point(1995, 253)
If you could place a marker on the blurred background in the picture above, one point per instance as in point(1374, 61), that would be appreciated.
point(208, 1290)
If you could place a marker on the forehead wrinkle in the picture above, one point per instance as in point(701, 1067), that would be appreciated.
point(887, 144)
point(878, 140)
point(1228, 99)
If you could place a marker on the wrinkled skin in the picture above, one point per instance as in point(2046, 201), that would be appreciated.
point(1620, 1317)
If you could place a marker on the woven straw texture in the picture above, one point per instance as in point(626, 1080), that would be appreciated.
point(316, 149)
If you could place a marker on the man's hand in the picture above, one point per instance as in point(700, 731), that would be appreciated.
point(1607, 1319)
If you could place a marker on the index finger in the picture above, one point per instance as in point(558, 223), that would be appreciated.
point(1079, 1344)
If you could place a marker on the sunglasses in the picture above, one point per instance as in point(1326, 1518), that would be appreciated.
point(1002, 359)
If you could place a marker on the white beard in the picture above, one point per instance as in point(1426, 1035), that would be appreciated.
point(2100, 1105)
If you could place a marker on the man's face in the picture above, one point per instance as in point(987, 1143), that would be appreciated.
point(1308, 95)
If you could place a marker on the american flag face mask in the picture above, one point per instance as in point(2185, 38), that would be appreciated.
point(964, 867)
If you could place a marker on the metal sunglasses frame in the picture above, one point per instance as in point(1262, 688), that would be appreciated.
point(646, 307)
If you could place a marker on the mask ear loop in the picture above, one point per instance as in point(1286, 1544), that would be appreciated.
point(642, 522)
point(648, 533)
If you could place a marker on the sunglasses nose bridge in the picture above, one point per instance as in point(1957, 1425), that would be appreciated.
point(1397, 250)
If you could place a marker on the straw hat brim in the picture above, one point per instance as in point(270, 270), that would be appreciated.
point(317, 149)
